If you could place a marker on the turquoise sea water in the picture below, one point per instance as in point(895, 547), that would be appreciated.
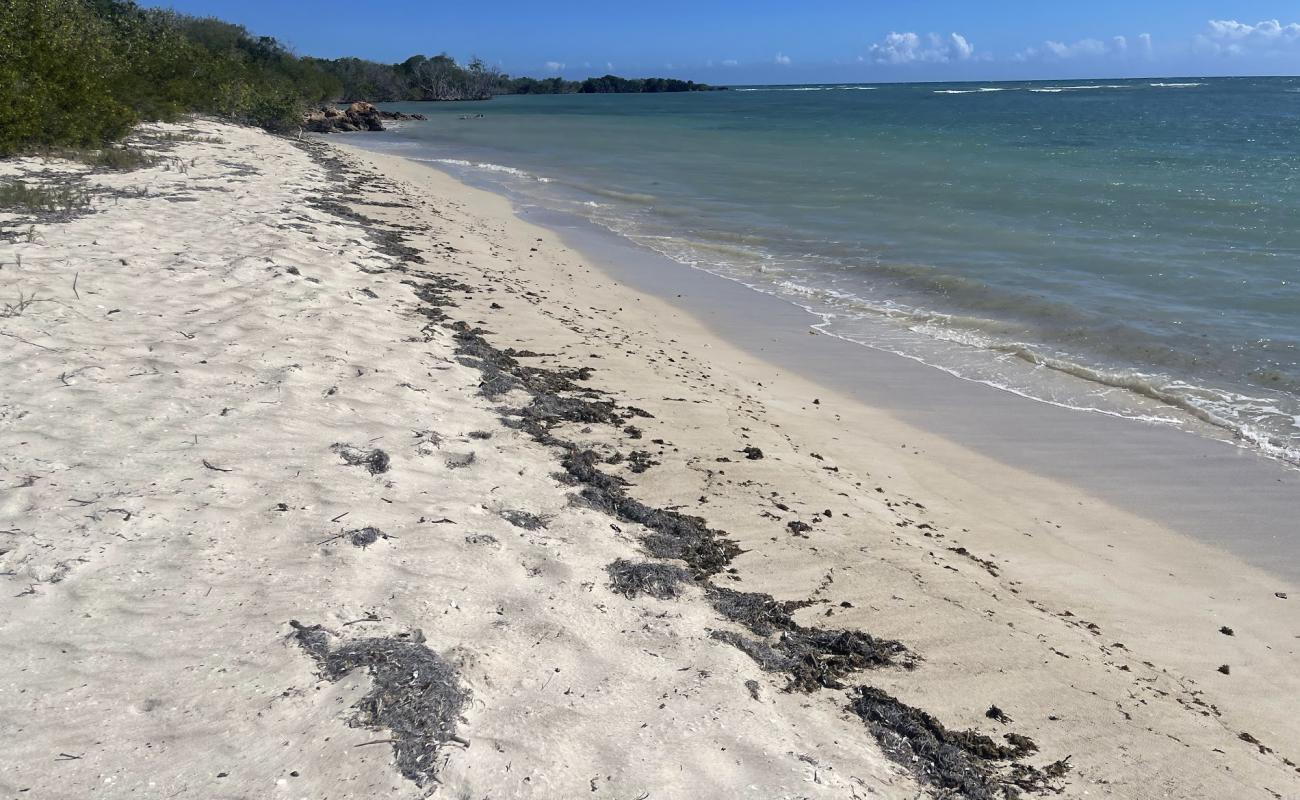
point(1128, 247)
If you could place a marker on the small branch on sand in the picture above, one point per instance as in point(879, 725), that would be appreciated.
point(67, 757)
point(214, 467)
point(340, 516)
point(25, 341)
point(376, 741)
point(74, 285)
point(63, 377)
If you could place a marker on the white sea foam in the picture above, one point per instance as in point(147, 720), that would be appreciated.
point(981, 90)
point(1176, 85)
point(483, 165)
point(1057, 89)
point(807, 89)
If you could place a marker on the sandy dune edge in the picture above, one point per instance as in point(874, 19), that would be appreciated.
point(173, 489)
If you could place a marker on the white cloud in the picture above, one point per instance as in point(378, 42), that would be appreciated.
point(1230, 37)
point(909, 48)
point(1116, 47)
point(555, 66)
point(782, 59)
point(731, 62)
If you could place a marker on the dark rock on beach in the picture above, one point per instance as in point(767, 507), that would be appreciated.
point(358, 116)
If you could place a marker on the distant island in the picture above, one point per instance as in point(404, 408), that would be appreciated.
point(440, 77)
point(82, 73)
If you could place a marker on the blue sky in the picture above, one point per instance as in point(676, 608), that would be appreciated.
point(783, 41)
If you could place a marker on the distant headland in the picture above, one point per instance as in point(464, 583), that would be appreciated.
point(81, 74)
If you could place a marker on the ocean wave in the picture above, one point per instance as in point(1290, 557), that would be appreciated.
point(1058, 89)
point(614, 194)
point(483, 165)
point(981, 90)
point(807, 89)
point(1145, 397)
point(1176, 85)
point(1222, 409)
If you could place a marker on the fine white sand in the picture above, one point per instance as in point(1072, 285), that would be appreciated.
point(170, 493)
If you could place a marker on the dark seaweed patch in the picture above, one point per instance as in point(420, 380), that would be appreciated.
point(639, 461)
point(672, 535)
point(364, 537)
point(376, 461)
point(635, 578)
point(963, 764)
point(522, 519)
point(813, 658)
point(415, 694)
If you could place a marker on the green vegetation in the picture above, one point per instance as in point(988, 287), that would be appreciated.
point(441, 78)
point(608, 84)
point(18, 196)
point(81, 73)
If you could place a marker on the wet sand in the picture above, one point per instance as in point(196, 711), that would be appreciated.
point(1227, 496)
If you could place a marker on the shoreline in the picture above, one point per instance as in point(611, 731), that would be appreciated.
point(1219, 491)
point(1204, 487)
point(340, 406)
point(1151, 576)
point(1024, 340)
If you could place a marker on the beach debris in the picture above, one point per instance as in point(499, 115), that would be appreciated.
point(635, 578)
point(461, 460)
point(798, 528)
point(753, 687)
point(639, 461)
point(752, 453)
point(812, 658)
point(962, 764)
point(364, 537)
point(214, 467)
point(523, 519)
point(672, 535)
point(1225, 669)
point(415, 694)
point(375, 461)
point(481, 539)
point(1226, 631)
point(998, 715)
point(1248, 739)
point(989, 566)
point(479, 435)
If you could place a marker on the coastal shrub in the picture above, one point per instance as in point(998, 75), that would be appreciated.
point(122, 159)
point(58, 63)
point(80, 73)
point(18, 196)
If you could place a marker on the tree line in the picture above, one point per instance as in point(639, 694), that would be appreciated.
point(441, 78)
point(80, 73)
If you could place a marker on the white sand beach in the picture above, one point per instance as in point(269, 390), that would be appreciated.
point(266, 381)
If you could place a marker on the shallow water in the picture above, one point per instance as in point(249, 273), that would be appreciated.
point(1128, 247)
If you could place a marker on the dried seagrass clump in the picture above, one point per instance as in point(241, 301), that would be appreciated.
point(635, 578)
point(415, 693)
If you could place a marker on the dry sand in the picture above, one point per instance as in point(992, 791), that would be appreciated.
point(173, 494)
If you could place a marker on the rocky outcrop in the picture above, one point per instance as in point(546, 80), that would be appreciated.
point(359, 116)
